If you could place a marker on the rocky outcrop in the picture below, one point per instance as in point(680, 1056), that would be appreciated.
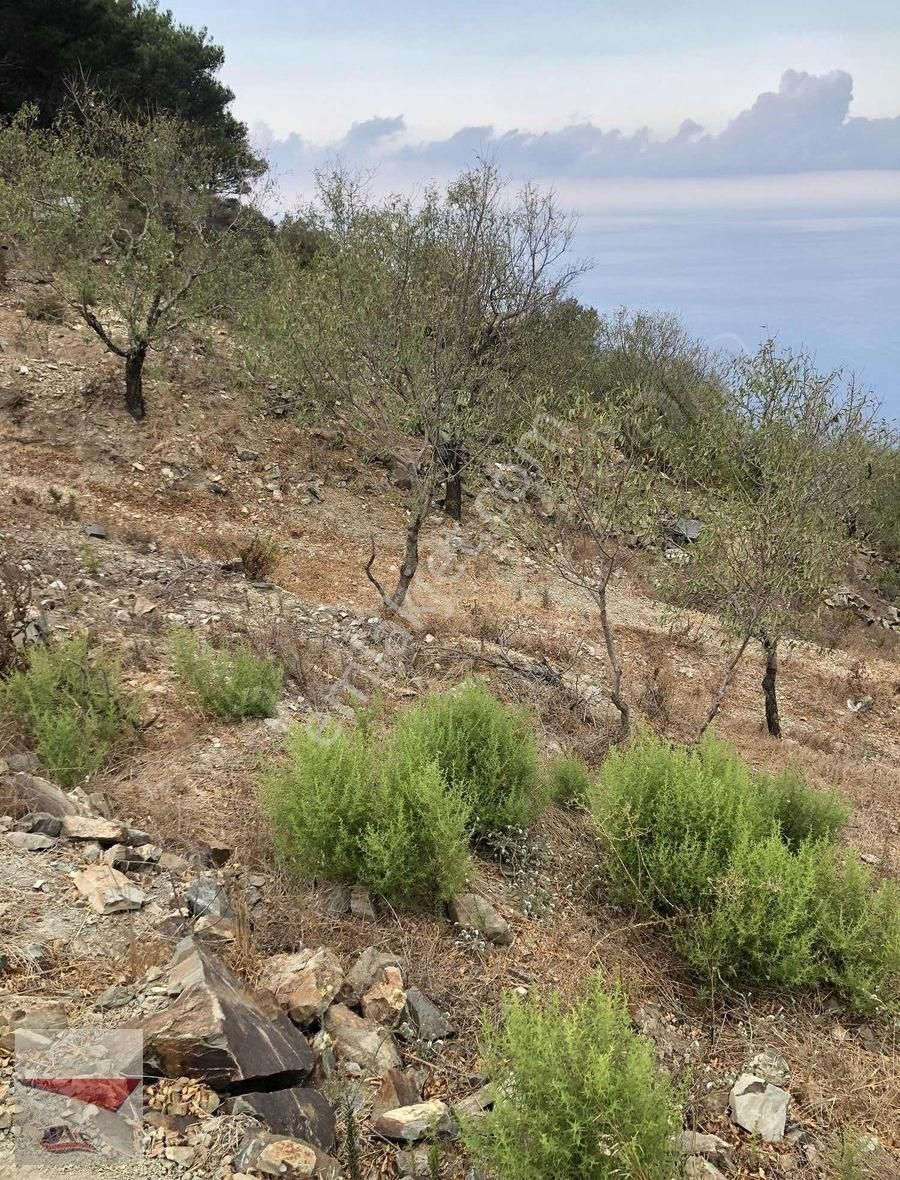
point(220, 1032)
point(305, 983)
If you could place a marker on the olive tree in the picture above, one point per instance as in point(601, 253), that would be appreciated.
point(598, 496)
point(776, 528)
point(128, 220)
point(420, 317)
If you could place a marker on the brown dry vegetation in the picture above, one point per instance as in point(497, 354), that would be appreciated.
point(192, 780)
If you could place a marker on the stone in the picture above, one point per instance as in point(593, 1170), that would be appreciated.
point(172, 863)
point(759, 1107)
point(685, 530)
point(385, 999)
point(425, 1019)
point(300, 1112)
point(89, 827)
point(220, 1032)
point(117, 996)
point(304, 983)
point(40, 821)
point(216, 929)
point(410, 1124)
point(218, 854)
point(361, 903)
point(698, 1168)
point(360, 1040)
point(368, 969)
point(132, 860)
point(337, 901)
point(108, 891)
point(22, 793)
point(30, 841)
point(396, 1089)
point(475, 1105)
point(770, 1066)
point(207, 898)
point(709, 1147)
point(267, 1154)
point(471, 911)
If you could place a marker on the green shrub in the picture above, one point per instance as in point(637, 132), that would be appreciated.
point(802, 813)
point(568, 781)
point(578, 1095)
point(749, 865)
point(486, 752)
point(69, 700)
point(231, 682)
point(347, 810)
point(671, 817)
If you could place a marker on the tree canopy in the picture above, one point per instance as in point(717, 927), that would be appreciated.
point(131, 51)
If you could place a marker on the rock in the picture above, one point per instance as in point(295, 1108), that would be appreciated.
point(698, 1168)
point(474, 912)
point(759, 1107)
point(30, 841)
point(89, 827)
point(685, 530)
point(278, 1155)
point(425, 1019)
point(220, 1032)
point(770, 1066)
point(337, 902)
point(304, 983)
point(412, 1123)
point(218, 854)
point(360, 1040)
point(22, 793)
point(368, 969)
point(116, 996)
point(396, 1089)
point(132, 860)
point(183, 1156)
point(695, 1143)
point(40, 821)
point(385, 999)
point(474, 1105)
point(172, 863)
point(207, 898)
point(216, 929)
point(361, 903)
point(299, 1112)
point(108, 891)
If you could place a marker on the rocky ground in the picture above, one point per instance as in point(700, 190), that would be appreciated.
point(276, 1015)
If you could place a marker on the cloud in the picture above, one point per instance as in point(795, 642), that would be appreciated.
point(803, 126)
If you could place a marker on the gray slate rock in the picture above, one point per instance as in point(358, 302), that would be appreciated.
point(40, 821)
point(207, 898)
point(759, 1107)
point(474, 912)
point(426, 1019)
point(30, 841)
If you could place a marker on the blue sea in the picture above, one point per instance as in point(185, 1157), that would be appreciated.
point(829, 283)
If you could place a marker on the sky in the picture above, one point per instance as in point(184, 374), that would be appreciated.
point(738, 164)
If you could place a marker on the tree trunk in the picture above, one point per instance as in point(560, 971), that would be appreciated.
point(134, 381)
point(410, 562)
point(615, 665)
point(453, 484)
point(773, 721)
point(727, 674)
